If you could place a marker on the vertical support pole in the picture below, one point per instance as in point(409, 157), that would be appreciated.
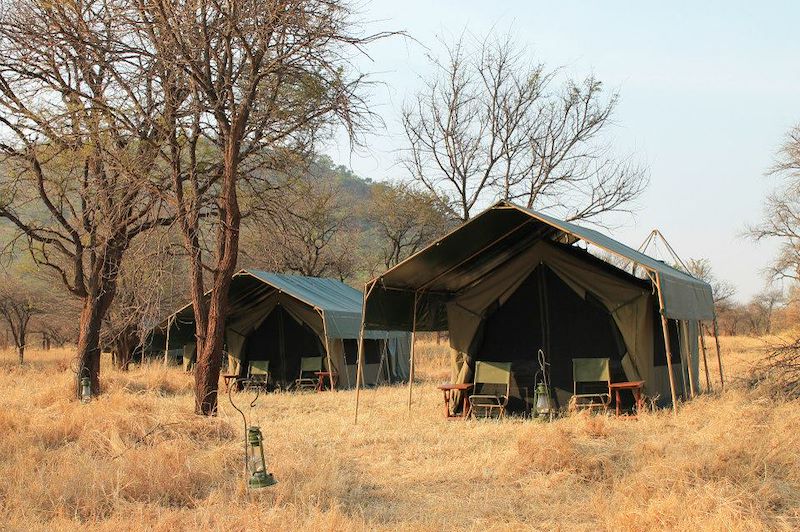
point(667, 347)
point(166, 345)
point(413, 349)
point(719, 355)
point(360, 365)
point(328, 351)
point(689, 362)
point(705, 359)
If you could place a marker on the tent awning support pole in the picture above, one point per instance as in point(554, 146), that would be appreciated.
point(689, 363)
point(166, 344)
point(667, 348)
point(719, 354)
point(413, 349)
point(705, 359)
point(328, 351)
point(360, 364)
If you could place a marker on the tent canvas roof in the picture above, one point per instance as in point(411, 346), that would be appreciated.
point(339, 304)
point(467, 254)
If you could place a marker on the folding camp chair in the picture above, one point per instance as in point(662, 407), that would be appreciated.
point(308, 379)
point(257, 375)
point(593, 376)
point(489, 375)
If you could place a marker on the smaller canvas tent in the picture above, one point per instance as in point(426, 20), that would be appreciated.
point(283, 318)
point(512, 281)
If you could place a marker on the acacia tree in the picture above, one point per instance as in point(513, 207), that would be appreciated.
point(259, 80)
point(19, 304)
point(303, 236)
point(489, 124)
point(148, 282)
point(80, 138)
point(404, 219)
point(781, 221)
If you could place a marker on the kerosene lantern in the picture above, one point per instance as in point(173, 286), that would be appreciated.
point(256, 464)
point(542, 403)
point(86, 390)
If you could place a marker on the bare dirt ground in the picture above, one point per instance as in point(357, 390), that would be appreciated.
point(137, 458)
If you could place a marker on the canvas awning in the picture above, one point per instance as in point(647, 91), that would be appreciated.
point(465, 257)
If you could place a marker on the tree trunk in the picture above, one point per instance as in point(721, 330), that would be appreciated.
point(209, 356)
point(124, 346)
point(92, 315)
point(21, 353)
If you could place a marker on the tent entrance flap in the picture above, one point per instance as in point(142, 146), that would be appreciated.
point(545, 313)
point(283, 341)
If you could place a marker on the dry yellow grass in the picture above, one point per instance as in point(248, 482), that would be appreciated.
point(137, 458)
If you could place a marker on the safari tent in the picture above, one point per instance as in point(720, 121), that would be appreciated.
point(283, 318)
point(512, 281)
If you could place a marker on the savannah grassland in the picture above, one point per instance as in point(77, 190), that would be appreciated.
point(137, 458)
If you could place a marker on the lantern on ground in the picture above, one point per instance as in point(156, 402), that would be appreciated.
point(86, 390)
point(542, 404)
point(256, 464)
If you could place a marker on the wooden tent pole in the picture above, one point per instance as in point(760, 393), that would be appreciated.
point(360, 365)
point(689, 362)
point(667, 348)
point(328, 353)
point(166, 344)
point(719, 355)
point(413, 349)
point(705, 360)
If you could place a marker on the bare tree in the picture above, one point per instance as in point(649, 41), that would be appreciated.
point(781, 219)
point(260, 81)
point(79, 135)
point(148, 282)
point(404, 219)
point(19, 304)
point(761, 309)
point(489, 124)
point(303, 236)
point(723, 290)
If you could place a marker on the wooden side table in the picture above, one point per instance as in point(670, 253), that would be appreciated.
point(322, 375)
point(635, 387)
point(447, 390)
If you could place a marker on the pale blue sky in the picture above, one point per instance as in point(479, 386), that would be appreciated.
point(708, 91)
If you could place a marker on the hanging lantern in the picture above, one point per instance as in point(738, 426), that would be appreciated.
point(256, 464)
point(86, 390)
point(542, 405)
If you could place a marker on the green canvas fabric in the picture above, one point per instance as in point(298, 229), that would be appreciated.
point(460, 278)
point(331, 309)
point(466, 255)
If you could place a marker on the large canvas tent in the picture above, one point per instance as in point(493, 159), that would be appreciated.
point(282, 318)
point(512, 281)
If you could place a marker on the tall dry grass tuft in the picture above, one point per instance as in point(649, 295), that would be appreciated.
point(137, 458)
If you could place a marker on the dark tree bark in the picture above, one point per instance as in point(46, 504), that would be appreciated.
point(270, 75)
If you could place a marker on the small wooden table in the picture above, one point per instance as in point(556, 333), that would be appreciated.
point(321, 375)
point(448, 390)
point(634, 386)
